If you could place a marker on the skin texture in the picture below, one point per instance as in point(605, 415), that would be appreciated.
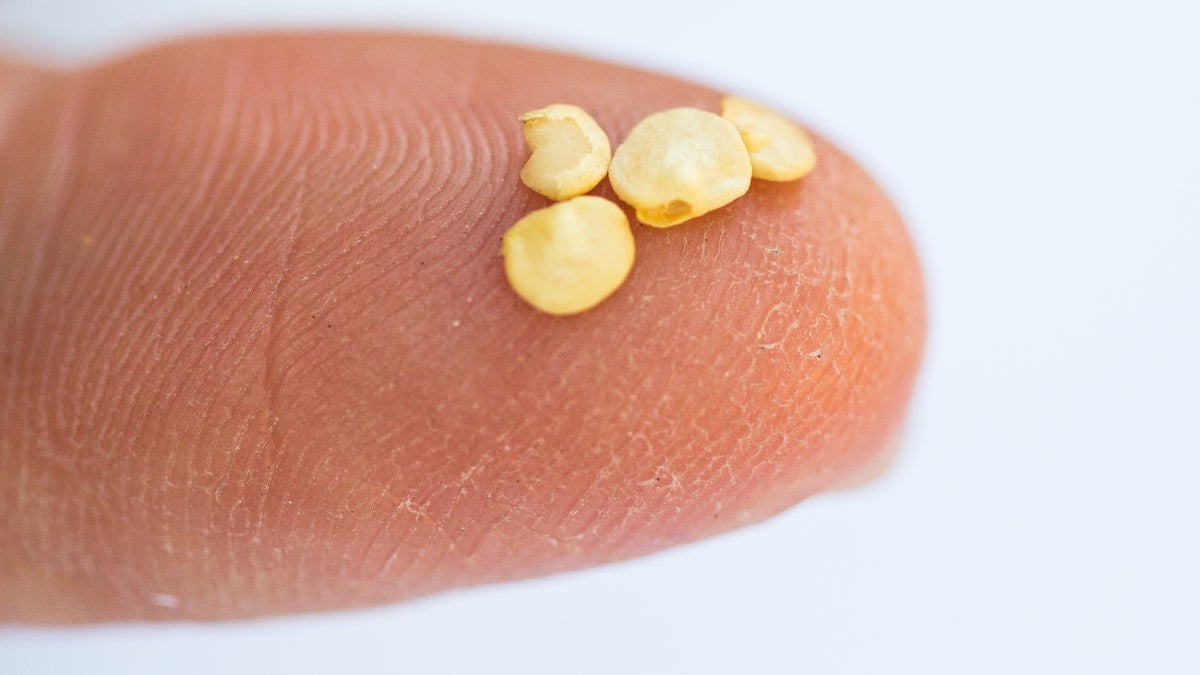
point(258, 355)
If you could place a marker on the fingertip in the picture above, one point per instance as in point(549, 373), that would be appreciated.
point(319, 390)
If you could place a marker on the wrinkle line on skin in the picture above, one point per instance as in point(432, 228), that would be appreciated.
point(272, 377)
point(60, 173)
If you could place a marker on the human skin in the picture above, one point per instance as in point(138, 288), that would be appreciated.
point(258, 354)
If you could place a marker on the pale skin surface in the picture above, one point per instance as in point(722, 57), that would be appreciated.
point(258, 354)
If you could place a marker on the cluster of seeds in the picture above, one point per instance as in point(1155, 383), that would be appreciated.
point(674, 165)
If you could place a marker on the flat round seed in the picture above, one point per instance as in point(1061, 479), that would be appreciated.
point(779, 149)
point(569, 152)
point(569, 257)
point(678, 164)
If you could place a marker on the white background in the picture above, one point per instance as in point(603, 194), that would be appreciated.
point(1043, 515)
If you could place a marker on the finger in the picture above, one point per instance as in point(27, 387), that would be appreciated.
point(259, 355)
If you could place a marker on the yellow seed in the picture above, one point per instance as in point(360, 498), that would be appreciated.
point(569, 257)
point(678, 164)
point(569, 152)
point(779, 150)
